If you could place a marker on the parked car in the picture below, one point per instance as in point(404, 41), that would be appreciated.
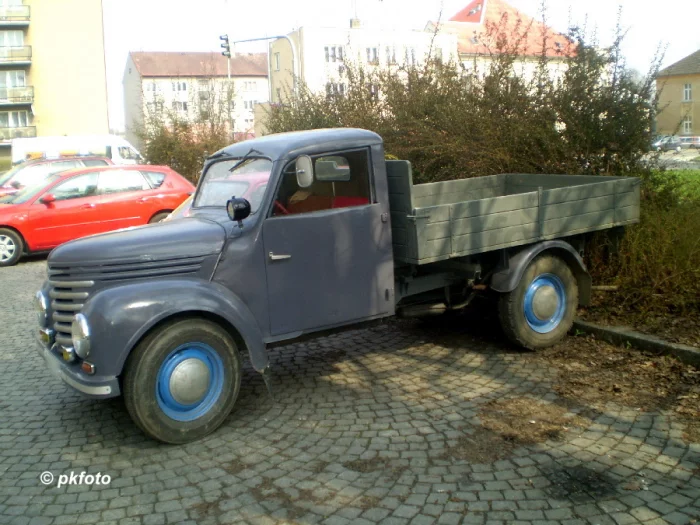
point(76, 203)
point(668, 144)
point(164, 314)
point(690, 142)
point(34, 171)
point(250, 186)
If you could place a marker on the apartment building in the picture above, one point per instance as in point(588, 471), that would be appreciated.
point(184, 83)
point(323, 54)
point(679, 97)
point(481, 23)
point(43, 44)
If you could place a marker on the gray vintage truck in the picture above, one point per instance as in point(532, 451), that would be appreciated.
point(330, 235)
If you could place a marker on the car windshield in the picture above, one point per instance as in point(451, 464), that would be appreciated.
point(29, 192)
point(248, 180)
point(5, 177)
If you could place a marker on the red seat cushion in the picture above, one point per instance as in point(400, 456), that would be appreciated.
point(346, 202)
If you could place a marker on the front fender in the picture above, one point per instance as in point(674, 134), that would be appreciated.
point(120, 316)
point(506, 279)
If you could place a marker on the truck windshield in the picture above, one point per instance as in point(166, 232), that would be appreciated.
point(247, 180)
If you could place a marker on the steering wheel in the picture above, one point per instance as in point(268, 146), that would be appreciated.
point(282, 209)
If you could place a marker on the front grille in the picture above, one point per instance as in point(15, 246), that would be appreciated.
point(71, 285)
point(67, 299)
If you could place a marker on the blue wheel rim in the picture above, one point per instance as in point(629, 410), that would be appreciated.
point(189, 412)
point(546, 325)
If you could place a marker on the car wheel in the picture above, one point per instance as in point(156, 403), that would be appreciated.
point(11, 247)
point(182, 381)
point(541, 309)
point(158, 217)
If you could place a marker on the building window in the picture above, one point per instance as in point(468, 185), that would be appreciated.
point(372, 55)
point(687, 92)
point(279, 94)
point(277, 61)
point(11, 38)
point(14, 119)
point(180, 107)
point(334, 53)
point(249, 85)
point(438, 54)
point(688, 125)
point(391, 55)
point(374, 91)
point(410, 57)
point(249, 104)
point(179, 86)
point(335, 88)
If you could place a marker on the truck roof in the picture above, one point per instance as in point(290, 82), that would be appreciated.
point(291, 144)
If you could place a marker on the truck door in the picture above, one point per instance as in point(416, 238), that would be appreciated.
point(326, 249)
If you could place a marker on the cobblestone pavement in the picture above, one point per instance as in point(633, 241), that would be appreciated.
point(363, 431)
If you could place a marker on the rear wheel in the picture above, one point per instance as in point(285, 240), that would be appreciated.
point(158, 217)
point(11, 247)
point(541, 309)
point(182, 381)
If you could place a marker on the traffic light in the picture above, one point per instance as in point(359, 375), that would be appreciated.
point(225, 46)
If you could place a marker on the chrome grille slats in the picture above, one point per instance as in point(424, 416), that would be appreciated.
point(72, 284)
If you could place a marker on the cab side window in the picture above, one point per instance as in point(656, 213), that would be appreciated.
point(341, 180)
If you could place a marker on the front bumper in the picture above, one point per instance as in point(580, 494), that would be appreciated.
point(100, 387)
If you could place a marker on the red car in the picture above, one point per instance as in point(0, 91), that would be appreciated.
point(76, 203)
point(34, 171)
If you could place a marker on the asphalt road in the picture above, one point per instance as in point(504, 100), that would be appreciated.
point(366, 428)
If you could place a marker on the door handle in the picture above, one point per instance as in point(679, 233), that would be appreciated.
point(274, 257)
point(86, 206)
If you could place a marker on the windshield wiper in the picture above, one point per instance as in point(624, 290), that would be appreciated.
point(245, 158)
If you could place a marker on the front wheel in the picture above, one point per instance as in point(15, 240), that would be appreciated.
point(541, 309)
point(11, 247)
point(182, 380)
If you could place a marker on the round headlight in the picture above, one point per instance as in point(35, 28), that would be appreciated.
point(41, 306)
point(80, 333)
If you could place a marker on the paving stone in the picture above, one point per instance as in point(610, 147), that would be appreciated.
point(363, 431)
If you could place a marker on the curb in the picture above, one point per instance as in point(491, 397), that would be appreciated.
point(623, 335)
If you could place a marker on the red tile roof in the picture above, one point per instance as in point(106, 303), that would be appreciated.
point(174, 64)
point(481, 22)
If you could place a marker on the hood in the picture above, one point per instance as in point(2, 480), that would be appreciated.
point(155, 242)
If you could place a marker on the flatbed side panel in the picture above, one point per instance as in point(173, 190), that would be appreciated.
point(452, 191)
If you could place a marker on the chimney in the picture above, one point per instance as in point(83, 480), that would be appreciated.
point(355, 23)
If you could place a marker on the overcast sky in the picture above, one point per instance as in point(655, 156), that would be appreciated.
point(183, 25)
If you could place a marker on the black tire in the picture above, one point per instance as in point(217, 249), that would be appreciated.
point(145, 365)
point(512, 306)
point(158, 217)
point(11, 243)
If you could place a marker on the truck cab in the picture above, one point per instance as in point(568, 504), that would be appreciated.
point(330, 235)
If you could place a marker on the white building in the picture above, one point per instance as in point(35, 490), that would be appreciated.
point(185, 82)
point(323, 53)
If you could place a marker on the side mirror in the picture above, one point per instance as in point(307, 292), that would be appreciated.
point(305, 171)
point(15, 184)
point(48, 199)
point(238, 209)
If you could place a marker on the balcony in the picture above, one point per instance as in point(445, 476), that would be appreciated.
point(13, 96)
point(14, 16)
point(16, 56)
point(17, 133)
